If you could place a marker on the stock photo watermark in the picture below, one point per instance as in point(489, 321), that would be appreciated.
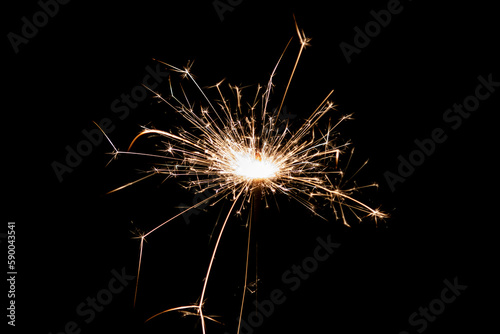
point(197, 198)
point(31, 26)
point(224, 6)
point(11, 272)
point(292, 278)
point(121, 107)
point(88, 309)
point(363, 36)
point(419, 320)
point(453, 118)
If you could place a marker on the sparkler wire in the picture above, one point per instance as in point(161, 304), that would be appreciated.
point(245, 161)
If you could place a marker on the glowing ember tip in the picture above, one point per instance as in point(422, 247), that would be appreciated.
point(239, 155)
point(254, 166)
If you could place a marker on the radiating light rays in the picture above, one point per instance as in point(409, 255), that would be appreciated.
point(252, 166)
point(237, 151)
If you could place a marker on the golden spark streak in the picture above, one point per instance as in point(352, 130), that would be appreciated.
point(233, 155)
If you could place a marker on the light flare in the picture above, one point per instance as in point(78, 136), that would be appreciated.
point(232, 150)
point(254, 167)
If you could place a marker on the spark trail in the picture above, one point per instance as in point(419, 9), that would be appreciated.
point(239, 151)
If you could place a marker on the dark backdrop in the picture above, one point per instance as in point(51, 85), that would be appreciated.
point(72, 237)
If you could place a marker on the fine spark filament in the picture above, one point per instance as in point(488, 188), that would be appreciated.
point(230, 151)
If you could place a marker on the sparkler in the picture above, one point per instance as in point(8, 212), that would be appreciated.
point(245, 159)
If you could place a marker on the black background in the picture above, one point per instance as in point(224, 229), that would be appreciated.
point(70, 234)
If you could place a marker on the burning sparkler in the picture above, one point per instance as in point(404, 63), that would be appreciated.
point(249, 158)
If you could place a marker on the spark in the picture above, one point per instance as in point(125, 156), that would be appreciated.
point(253, 167)
point(245, 156)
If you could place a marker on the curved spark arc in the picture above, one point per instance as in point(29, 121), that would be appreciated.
point(233, 156)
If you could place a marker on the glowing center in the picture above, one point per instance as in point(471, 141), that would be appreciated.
point(254, 167)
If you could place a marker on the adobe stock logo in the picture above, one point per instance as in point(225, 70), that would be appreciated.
point(197, 198)
point(372, 29)
point(89, 309)
point(39, 19)
point(122, 107)
point(453, 117)
point(420, 320)
point(293, 279)
point(221, 7)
